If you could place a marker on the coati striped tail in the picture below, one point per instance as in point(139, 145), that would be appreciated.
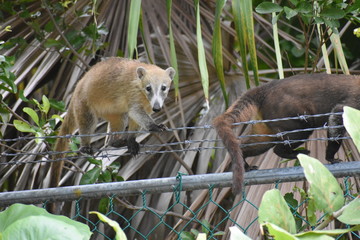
point(61, 145)
point(242, 110)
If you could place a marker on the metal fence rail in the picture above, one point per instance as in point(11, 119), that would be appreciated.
point(160, 185)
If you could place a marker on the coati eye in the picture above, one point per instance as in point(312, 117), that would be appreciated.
point(148, 88)
point(163, 88)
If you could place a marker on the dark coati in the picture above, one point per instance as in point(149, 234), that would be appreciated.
point(122, 92)
point(290, 97)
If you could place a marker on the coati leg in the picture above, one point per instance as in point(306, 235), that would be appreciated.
point(334, 145)
point(117, 124)
point(87, 125)
point(132, 144)
point(287, 151)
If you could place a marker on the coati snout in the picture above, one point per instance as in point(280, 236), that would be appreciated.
point(290, 97)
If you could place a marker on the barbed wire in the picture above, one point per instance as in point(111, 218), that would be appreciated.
point(47, 155)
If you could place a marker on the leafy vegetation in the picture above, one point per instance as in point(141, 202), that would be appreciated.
point(21, 221)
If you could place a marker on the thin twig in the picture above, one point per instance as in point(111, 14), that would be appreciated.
point(13, 113)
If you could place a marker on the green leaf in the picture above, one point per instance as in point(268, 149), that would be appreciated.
point(311, 212)
point(134, 17)
point(23, 126)
point(268, 7)
point(351, 118)
point(45, 104)
point(32, 114)
point(186, 236)
point(324, 188)
point(57, 105)
point(21, 221)
point(105, 176)
point(278, 233)
point(120, 235)
point(49, 43)
point(173, 59)
point(104, 205)
point(205, 226)
point(217, 49)
point(201, 54)
point(321, 234)
point(290, 13)
point(95, 161)
point(351, 213)
point(91, 176)
point(273, 209)
point(304, 7)
point(334, 13)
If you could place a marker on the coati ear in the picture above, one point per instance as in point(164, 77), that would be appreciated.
point(140, 71)
point(171, 72)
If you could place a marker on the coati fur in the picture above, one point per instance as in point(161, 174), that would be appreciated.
point(122, 92)
point(290, 97)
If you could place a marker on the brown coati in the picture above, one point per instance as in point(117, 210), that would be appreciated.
point(290, 97)
point(122, 92)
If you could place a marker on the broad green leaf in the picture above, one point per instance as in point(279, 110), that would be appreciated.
point(351, 213)
point(91, 176)
point(134, 17)
point(324, 189)
point(268, 7)
point(324, 234)
point(278, 233)
point(311, 210)
point(21, 221)
point(120, 235)
point(104, 205)
point(201, 55)
point(105, 176)
point(334, 13)
point(57, 105)
point(311, 236)
point(23, 126)
point(304, 7)
point(351, 118)
point(45, 104)
point(34, 116)
point(49, 43)
point(237, 234)
point(290, 13)
point(274, 209)
point(186, 236)
point(95, 161)
point(217, 49)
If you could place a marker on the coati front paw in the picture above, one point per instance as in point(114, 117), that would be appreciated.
point(86, 150)
point(117, 143)
point(251, 168)
point(133, 146)
point(157, 128)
